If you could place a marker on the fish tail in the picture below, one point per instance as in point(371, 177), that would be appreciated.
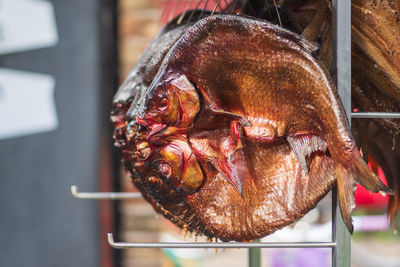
point(345, 185)
point(358, 171)
point(393, 209)
point(366, 177)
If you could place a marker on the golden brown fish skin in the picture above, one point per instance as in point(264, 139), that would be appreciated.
point(275, 84)
point(274, 78)
point(276, 192)
point(375, 30)
point(256, 195)
point(375, 37)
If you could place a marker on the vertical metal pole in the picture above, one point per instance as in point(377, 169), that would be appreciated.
point(255, 256)
point(341, 22)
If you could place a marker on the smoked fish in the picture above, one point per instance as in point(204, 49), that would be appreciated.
point(246, 127)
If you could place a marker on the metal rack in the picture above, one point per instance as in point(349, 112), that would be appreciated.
point(341, 46)
point(103, 195)
point(340, 243)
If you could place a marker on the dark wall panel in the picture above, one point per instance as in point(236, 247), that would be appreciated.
point(42, 224)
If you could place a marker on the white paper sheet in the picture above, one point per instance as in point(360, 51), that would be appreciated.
point(26, 25)
point(26, 103)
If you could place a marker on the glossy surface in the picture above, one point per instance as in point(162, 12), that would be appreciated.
point(244, 127)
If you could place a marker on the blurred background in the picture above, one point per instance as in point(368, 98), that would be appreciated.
point(60, 64)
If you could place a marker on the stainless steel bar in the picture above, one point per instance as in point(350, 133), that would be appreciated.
point(125, 245)
point(103, 195)
point(375, 115)
point(254, 257)
point(341, 22)
point(341, 26)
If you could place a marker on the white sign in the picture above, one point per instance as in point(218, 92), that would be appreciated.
point(26, 25)
point(26, 103)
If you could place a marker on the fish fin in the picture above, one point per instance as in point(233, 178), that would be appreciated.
point(232, 170)
point(192, 175)
point(236, 133)
point(313, 30)
point(239, 144)
point(304, 145)
point(230, 115)
point(366, 177)
point(188, 97)
point(345, 185)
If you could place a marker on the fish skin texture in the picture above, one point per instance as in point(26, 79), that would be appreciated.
point(375, 68)
point(241, 178)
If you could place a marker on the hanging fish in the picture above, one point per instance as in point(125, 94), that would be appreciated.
point(376, 32)
point(375, 68)
point(378, 145)
point(245, 125)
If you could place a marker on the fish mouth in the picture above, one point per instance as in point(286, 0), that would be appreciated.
point(141, 121)
point(153, 129)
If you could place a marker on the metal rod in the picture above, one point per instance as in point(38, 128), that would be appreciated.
point(341, 32)
point(125, 245)
point(103, 195)
point(375, 115)
point(255, 256)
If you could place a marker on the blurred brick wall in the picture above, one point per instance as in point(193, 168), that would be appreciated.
point(139, 22)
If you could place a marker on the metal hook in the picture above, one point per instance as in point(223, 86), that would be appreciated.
point(375, 115)
point(125, 245)
point(103, 195)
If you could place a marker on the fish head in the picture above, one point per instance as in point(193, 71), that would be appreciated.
point(174, 162)
point(178, 166)
point(171, 103)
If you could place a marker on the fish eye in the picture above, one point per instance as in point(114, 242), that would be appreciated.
point(163, 103)
point(152, 104)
